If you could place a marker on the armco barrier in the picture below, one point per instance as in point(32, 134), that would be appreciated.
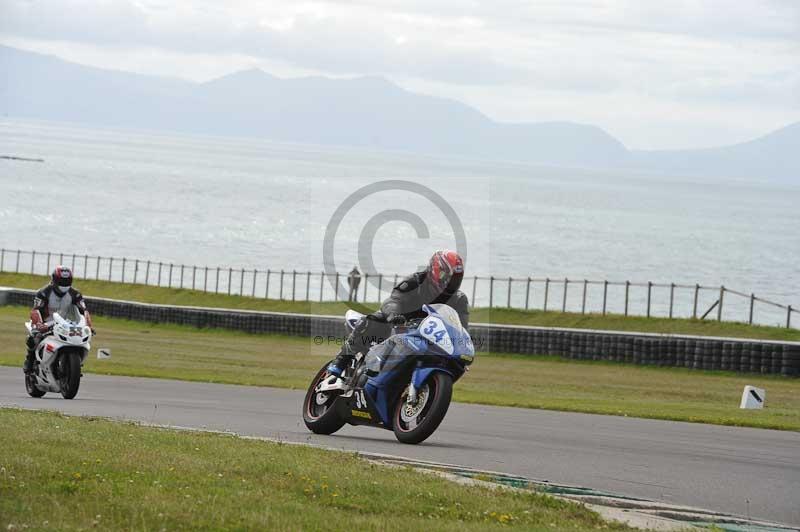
point(709, 353)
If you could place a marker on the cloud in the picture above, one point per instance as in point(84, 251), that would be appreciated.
point(503, 55)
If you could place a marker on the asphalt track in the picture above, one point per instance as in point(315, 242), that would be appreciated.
point(741, 471)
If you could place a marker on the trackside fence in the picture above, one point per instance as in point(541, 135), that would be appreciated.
point(647, 299)
point(705, 353)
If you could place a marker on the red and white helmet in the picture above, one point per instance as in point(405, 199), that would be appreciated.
point(61, 279)
point(445, 270)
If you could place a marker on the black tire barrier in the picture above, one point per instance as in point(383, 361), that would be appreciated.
point(662, 350)
point(790, 366)
point(755, 358)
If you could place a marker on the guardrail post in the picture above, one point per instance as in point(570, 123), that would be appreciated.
point(160, 266)
point(255, 276)
point(110, 267)
point(627, 293)
point(48, 264)
point(294, 282)
point(366, 283)
point(380, 287)
point(61, 259)
point(719, 309)
point(546, 292)
point(72, 264)
point(474, 285)
point(605, 296)
point(16, 270)
point(789, 317)
point(696, 295)
point(230, 276)
point(336, 287)
point(194, 276)
point(308, 286)
point(508, 299)
point(241, 283)
point(649, 293)
point(491, 291)
point(564, 301)
point(205, 279)
point(147, 273)
point(671, 298)
point(752, 304)
point(182, 269)
point(85, 267)
point(33, 260)
point(123, 269)
point(280, 293)
point(266, 289)
point(583, 303)
point(97, 269)
point(135, 271)
point(170, 274)
point(216, 282)
point(527, 293)
point(321, 284)
point(3, 259)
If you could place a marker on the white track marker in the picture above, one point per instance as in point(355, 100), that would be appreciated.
point(753, 397)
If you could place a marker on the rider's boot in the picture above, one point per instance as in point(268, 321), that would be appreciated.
point(342, 360)
point(27, 367)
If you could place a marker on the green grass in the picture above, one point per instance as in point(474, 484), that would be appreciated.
point(175, 296)
point(72, 473)
point(170, 351)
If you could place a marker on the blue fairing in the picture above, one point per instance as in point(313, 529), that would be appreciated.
point(440, 343)
point(420, 375)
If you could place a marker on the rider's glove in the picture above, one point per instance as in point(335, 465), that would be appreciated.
point(94, 333)
point(396, 319)
point(42, 327)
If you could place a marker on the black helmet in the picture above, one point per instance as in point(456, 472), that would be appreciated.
point(61, 279)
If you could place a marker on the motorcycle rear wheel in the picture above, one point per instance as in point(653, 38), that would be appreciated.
point(320, 418)
point(70, 379)
point(427, 419)
point(30, 387)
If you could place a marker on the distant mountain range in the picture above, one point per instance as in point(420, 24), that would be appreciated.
point(367, 111)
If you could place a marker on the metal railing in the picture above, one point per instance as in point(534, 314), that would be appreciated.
point(583, 296)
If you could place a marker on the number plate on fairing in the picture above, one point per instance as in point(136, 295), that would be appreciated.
point(433, 330)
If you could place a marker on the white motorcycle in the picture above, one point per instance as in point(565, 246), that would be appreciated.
point(59, 356)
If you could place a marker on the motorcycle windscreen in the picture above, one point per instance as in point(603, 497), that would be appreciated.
point(71, 314)
point(386, 356)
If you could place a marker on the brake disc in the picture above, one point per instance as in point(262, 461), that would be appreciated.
point(408, 412)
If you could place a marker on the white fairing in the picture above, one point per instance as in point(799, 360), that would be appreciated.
point(66, 333)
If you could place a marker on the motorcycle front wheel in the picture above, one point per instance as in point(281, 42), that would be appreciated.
point(70, 375)
point(413, 423)
point(318, 413)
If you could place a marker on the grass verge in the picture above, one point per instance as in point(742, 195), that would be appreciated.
point(176, 352)
point(175, 296)
point(71, 473)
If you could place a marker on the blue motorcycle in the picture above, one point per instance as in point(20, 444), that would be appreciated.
point(403, 384)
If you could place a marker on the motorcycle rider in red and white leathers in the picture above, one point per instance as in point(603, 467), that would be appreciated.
point(58, 296)
point(439, 283)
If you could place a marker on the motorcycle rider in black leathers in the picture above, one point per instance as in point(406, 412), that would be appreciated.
point(439, 283)
point(58, 296)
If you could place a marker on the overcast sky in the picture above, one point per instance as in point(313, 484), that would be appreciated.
point(656, 74)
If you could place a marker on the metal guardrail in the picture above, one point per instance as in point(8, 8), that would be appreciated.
point(648, 299)
point(695, 352)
